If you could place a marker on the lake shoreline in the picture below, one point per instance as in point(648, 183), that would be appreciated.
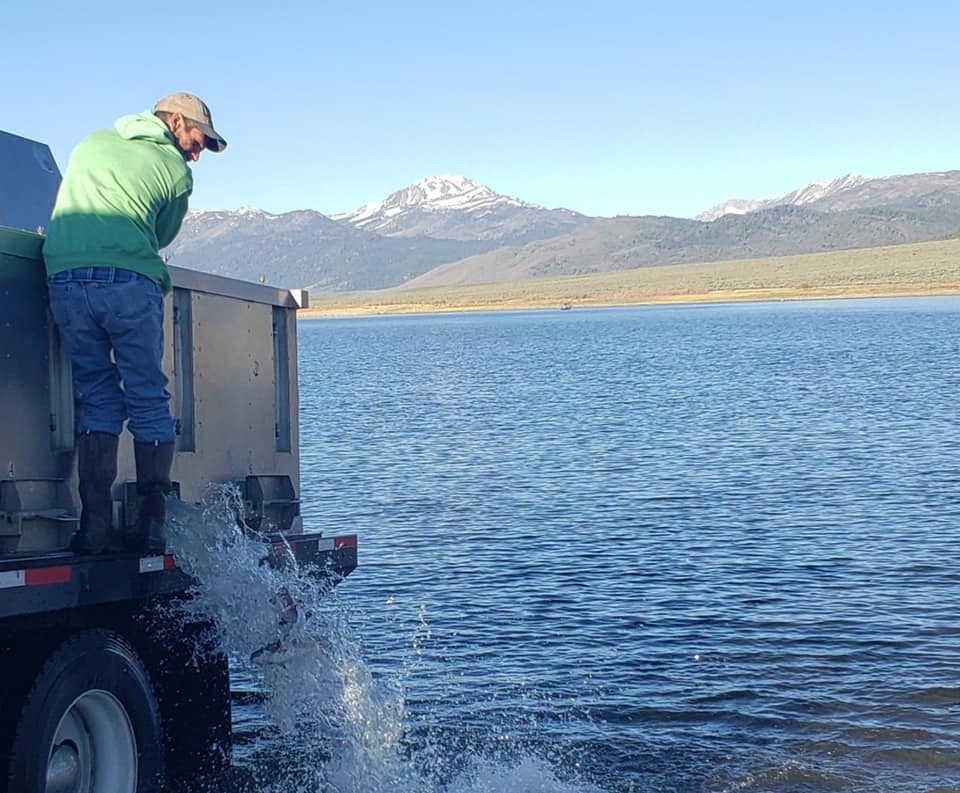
point(358, 306)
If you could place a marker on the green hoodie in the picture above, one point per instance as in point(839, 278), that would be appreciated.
point(122, 199)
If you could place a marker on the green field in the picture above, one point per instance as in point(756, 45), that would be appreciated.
point(918, 269)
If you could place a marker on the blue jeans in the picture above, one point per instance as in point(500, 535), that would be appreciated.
point(100, 310)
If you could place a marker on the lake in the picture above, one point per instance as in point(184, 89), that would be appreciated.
point(683, 548)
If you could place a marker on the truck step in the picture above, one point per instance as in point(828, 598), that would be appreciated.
point(36, 515)
point(271, 503)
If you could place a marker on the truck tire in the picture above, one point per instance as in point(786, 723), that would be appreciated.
point(90, 723)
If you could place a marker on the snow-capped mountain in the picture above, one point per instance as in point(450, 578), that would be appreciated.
point(817, 191)
point(806, 195)
point(456, 207)
point(442, 193)
point(733, 206)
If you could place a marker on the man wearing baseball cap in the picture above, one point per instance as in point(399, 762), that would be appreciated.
point(122, 199)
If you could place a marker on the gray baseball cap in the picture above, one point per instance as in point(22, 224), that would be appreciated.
point(195, 111)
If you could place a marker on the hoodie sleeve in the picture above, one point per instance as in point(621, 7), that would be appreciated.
point(171, 215)
point(170, 219)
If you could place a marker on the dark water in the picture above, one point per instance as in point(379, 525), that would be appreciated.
point(704, 548)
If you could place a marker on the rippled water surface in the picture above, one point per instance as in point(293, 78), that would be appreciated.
point(701, 548)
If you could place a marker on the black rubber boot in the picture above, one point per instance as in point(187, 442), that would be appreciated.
point(154, 461)
point(96, 471)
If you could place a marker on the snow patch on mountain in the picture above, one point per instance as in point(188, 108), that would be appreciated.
point(242, 213)
point(441, 193)
point(735, 206)
point(809, 194)
point(817, 190)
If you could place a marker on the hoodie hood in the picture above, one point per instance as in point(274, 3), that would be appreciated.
point(143, 126)
point(122, 198)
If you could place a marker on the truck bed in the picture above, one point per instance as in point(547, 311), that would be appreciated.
point(31, 584)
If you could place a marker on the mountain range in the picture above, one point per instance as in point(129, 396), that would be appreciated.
point(809, 194)
point(448, 230)
point(458, 208)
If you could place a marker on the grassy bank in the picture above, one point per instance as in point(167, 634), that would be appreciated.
point(926, 268)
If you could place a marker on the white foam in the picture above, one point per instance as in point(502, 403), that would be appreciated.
point(319, 692)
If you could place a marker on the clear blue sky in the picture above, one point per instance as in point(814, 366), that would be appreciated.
point(603, 107)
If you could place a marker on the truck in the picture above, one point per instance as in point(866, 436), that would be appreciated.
point(97, 695)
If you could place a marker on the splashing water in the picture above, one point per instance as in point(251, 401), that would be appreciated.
point(347, 727)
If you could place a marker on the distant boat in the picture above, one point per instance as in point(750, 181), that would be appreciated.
point(565, 307)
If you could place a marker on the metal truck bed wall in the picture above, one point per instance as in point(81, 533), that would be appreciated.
point(230, 355)
point(29, 179)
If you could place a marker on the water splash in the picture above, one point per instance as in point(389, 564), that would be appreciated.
point(347, 729)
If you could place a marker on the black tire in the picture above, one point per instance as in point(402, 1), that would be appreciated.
point(96, 678)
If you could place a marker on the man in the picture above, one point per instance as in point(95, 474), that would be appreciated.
point(122, 199)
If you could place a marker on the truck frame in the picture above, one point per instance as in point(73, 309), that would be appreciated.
point(98, 692)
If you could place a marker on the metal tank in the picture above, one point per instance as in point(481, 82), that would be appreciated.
point(230, 355)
